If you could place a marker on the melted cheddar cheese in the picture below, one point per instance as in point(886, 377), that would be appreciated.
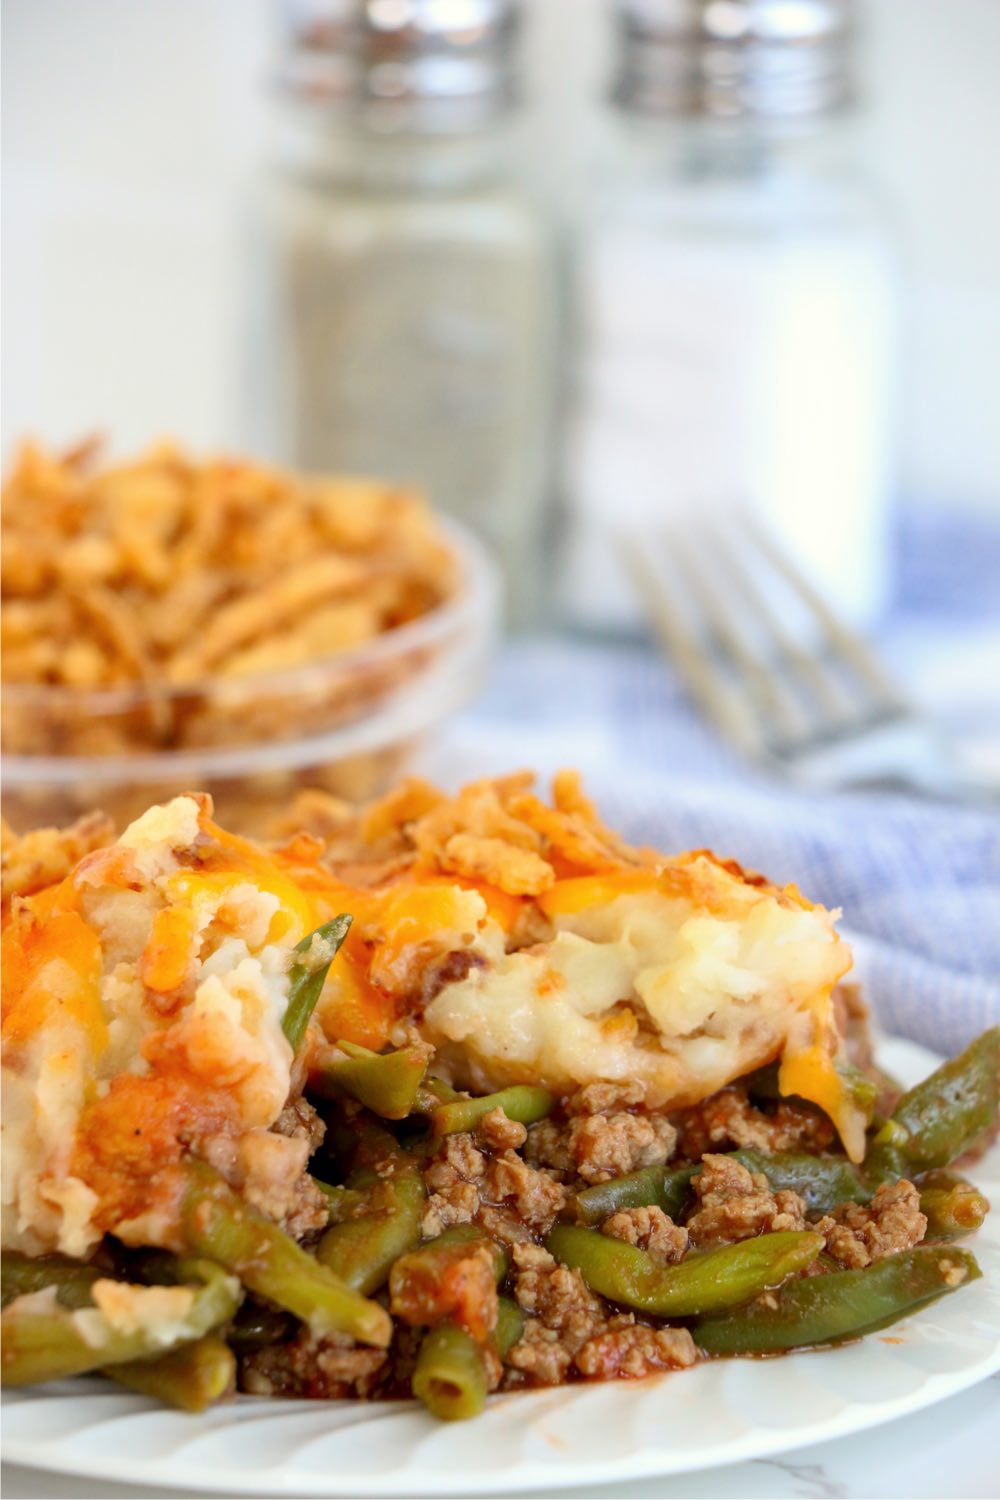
point(143, 1001)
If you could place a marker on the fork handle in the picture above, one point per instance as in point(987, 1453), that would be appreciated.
point(945, 782)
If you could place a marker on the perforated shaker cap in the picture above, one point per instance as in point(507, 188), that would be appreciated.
point(767, 58)
point(404, 64)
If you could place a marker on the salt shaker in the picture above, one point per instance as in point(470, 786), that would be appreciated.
point(734, 303)
point(410, 278)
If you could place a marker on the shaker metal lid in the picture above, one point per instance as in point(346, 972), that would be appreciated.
point(403, 64)
point(729, 58)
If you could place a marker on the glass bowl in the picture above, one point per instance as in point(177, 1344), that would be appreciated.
point(347, 724)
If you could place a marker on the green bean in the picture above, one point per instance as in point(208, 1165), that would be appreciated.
point(45, 1341)
point(331, 1190)
point(842, 1305)
point(953, 1206)
point(306, 978)
point(523, 1103)
point(450, 1376)
point(862, 1089)
point(649, 1186)
point(699, 1284)
point(258, 1327)
point(432, 1092)
point(154, 1267)
point(822, 1181)
point(340, 1144)
point(341, 1201)
point(20, 1275)
point(360, 1146)
point(218, 1224)
point(362, 1250)
point(387, 1083)
point(510, 1325)
point(940, 1118)
point(192, 1377)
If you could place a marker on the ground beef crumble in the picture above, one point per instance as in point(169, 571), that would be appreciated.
point(325, 1369)
point(604, 1097)
point(735, 1204)
point(309, 1212)
point(464, 1182)
point(729, 1119)
point(538, 1358)
point(570, 1330)
point(500, 1133)
point(533, 1195)
point(268, 1169)
point(548, 1146)
point(403, 1352)
point(631, 1352)
point(563, 1315)
point(602, 1137)
point(503, 1225)
point(649, 1229)
point(606, 1146)
point(858, 1234)
point(452, 1179)
point(456, 1159)
point(299, 1120)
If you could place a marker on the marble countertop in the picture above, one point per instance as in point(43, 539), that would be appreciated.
point(947, 1452)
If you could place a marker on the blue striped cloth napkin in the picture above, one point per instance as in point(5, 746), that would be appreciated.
point(918, 882)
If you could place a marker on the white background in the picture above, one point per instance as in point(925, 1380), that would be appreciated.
point(135, 130)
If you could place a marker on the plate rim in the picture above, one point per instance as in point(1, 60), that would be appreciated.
point(648, 1463)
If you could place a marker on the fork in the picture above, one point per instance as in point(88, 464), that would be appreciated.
point(774, 667)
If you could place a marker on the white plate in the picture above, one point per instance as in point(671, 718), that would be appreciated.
point(719, 1413)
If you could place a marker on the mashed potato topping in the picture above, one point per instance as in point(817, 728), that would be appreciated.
point(144, 992)
point(684, 986)
point(529, 943)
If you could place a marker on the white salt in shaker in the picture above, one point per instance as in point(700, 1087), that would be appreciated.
point(734, 303)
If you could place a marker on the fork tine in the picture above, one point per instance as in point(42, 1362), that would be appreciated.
point(842, 641)
point(779, 711)
point(727, 531)
point(690, 655)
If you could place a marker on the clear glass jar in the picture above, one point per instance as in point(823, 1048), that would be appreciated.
point(412, 286)
point(735, 289)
